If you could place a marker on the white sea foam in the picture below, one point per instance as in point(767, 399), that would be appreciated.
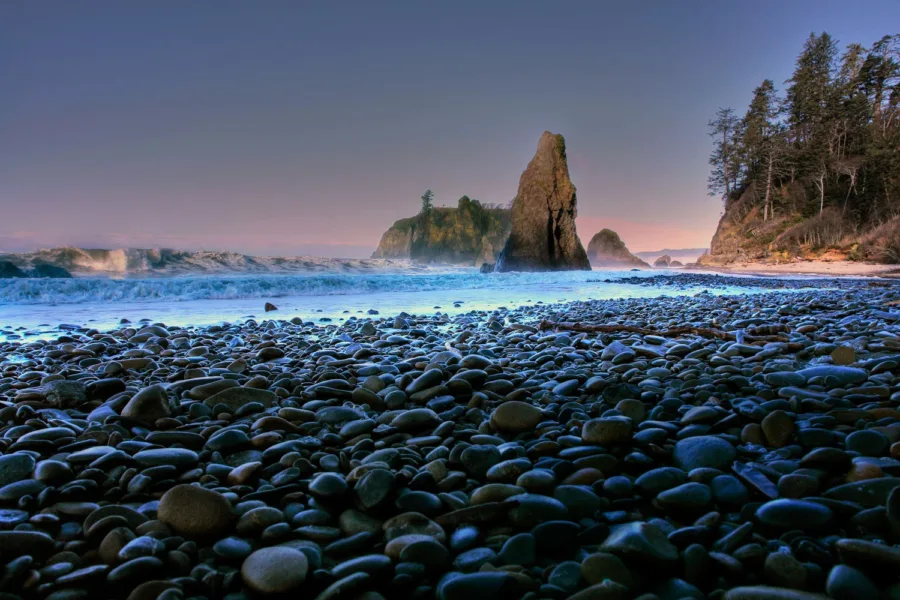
point(209, 287)
point(168, 262)
point(32, 309)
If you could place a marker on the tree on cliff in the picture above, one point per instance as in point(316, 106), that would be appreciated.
point(762, 140)
point(724, 158)
point(812, 109)
point(809, 94)
point(831, 143)
point(427, 203)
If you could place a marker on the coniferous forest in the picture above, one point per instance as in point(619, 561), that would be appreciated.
point(813, 166)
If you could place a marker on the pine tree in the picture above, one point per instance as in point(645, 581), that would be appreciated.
point(836, 132)
point(852, 109)
point(809, 90)
point(427, 203)
point(759, 125)
point(762, 140)
point(724, 158)
point(810, 106)
point(881, 78)
point(880, 81)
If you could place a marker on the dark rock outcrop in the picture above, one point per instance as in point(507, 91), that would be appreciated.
point(799, 229)
point(543, 236)
point(685, 255)
point(606, 249)
point(468, 234)
point(50, 271)
point(10, 271)
point(487, 267)
point(663, 261)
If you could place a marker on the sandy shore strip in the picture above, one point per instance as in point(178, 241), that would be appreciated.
point(837, 268)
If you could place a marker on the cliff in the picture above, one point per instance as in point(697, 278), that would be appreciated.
point(800, 229)
point(606, 249)
point(813, 172)
point(543, 236)
point(468, 234)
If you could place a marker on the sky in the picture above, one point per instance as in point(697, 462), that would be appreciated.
point(285, 127)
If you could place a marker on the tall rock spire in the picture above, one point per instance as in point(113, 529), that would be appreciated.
point(543, 236)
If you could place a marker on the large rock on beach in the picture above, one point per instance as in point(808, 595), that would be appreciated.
point(236, 397)
point(149, 404)
point(15, 467)
point(195, 512)
point(275, 571)
point(64, 393)
point(515, 417)
point(704, 451)
point(543, 236)
point(606, 249)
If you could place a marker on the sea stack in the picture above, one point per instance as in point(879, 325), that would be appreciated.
point(543, 236)
point(606, 249)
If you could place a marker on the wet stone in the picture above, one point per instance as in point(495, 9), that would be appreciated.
point(704, 452)
point(178, 457)
point(195, 512)
point(273, 571)
point(328, 485)
point(867, 442)
point(515, 417)
point(15, 467)
point(500, 454)
point(607, 431)
point(641, 542)
point(794, 514)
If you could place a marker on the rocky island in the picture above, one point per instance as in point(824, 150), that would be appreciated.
point(536, 234)
point(470, 234)
point(606, 249)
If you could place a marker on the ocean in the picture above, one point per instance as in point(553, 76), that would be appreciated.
point(36, 308)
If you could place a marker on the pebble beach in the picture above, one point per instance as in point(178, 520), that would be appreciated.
point(744, 447)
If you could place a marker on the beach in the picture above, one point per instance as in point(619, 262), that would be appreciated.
point(543, 451)
point(832, 268)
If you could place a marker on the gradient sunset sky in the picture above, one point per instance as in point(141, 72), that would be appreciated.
point(286, 127)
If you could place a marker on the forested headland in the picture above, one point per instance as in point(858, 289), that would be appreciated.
point(812, 167)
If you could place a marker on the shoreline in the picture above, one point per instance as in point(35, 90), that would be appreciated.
point(445, 455)
point(837, 268)
point(32, 321)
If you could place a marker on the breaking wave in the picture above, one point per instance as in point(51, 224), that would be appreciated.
point(103, 289)
point(164, 261)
